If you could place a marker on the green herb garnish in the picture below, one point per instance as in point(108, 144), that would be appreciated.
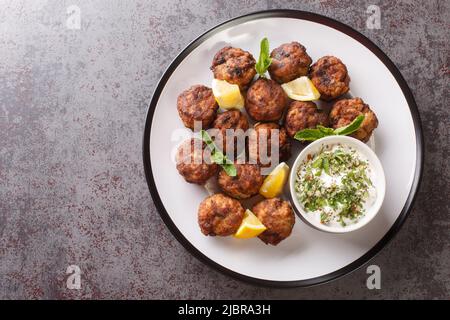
point(352, 127)
point(264, 60)
point(217, 156)
point(321, 131)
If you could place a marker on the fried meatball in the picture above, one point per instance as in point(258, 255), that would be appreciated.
point(263, 155)
point(219, 215)
point(345, 111)
point(194, 163)
point(231, 120)
point(278, 217)
point(234, 65)
point(266, 100)
point(302, 115)
point(197, 104)
point(330, 77)
point(289, 61)
point(245, 184)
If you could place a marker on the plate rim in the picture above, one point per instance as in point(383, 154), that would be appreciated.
point(330, 22)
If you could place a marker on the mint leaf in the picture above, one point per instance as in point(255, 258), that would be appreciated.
point(318, 163)
point(230, 169)
point(321, 131)
point(352, 127)
point(264, 60)
point(309, 135)
point(325, 130)
point(207, 139)
point(217, 156)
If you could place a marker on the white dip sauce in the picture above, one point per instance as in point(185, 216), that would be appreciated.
point(335, 186)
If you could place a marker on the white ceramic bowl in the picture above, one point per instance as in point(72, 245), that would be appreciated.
point(378, 181)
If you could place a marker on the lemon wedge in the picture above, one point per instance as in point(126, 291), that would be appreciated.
point(250, 227)
point(274, 182)
point(301, 89)
point(227, 95)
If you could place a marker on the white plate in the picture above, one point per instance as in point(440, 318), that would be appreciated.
point(308, 256)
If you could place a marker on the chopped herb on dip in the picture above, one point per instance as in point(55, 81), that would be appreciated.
point(335, 185)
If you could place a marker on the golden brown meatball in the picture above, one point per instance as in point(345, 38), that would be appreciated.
point(265, 100)
point(330, 77)
point(234, 65)
point(345, 111)
point(237, 123)
point(263, 154)
point(194, 163)
point(219, 215)
point(245, 184)
point(278, 217)
point(197, 104)
point(302, 115)
point(289, 61)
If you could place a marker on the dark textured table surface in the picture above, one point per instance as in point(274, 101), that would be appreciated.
point(72, 188)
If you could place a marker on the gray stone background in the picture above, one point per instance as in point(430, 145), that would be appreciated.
point(72, 189)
